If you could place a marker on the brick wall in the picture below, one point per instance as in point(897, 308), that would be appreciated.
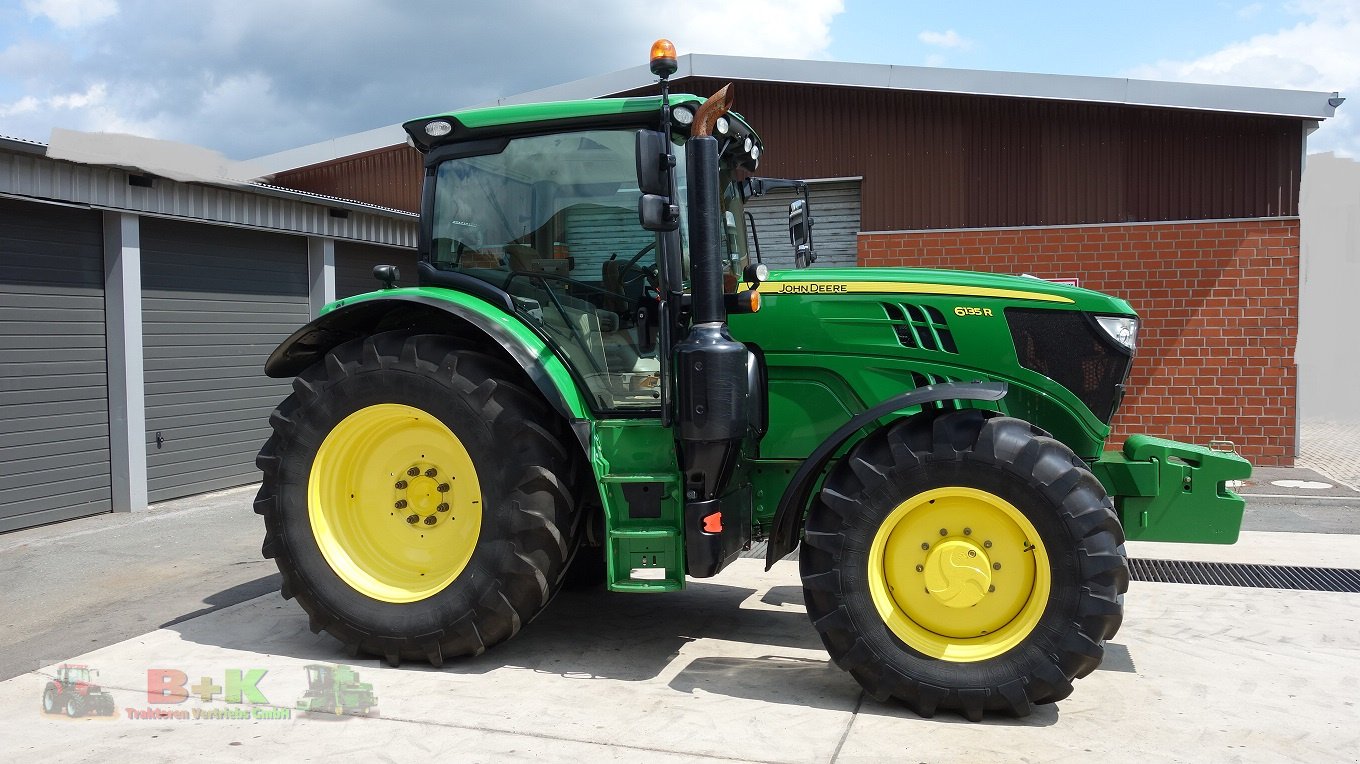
point(1219, 303)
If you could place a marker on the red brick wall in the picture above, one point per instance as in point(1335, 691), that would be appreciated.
point(1219, 303)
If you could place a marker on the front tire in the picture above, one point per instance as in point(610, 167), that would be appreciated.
point(416, 498)
point(965, 562)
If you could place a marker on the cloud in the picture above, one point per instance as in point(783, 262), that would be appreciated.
point(946, 39)
point(93, 96)
point(1319, 52)
point(69, 14)
point(252, 77)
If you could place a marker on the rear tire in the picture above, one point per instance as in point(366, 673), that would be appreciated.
point(898, 558)
point(337, 497)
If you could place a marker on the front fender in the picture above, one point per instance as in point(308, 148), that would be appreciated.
point(437, 310)
point(784, 528)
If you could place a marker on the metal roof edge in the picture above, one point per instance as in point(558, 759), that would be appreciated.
point(1300, 104)
point(338, 202)
point(332, 148)
point(34, 148)
point(23, 145)
point(1304, 104)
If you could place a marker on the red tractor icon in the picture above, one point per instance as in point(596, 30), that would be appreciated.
point(73, 691)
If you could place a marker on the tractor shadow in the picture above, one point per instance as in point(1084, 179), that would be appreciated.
point(597, 634)
point(592, 633)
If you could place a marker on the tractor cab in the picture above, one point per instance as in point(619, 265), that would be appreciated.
point(551, 218)
point(70, 674)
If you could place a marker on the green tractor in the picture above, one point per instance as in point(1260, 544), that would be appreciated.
point(595, 374)
point(336, 690)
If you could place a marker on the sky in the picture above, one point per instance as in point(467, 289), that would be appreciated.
point(253, 77)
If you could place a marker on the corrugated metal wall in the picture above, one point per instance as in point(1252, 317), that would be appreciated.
point(932, 160)
point(938, 160)
point(835, 213)
point(248, 206)
point(389, 177)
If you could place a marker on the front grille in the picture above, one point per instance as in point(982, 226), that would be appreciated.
point(920, 326)
point(1067, 347)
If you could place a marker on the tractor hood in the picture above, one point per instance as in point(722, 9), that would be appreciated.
point(962, 284)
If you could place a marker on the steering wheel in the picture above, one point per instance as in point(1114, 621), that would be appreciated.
point(632, 265)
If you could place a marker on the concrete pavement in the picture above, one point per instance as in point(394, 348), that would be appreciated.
point(730, 669)
point(77, 585)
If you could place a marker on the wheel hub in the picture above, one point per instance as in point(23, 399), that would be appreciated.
point(957, 573)
point(424, 492)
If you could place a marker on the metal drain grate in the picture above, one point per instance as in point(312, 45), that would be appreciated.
point(1341, 580)
point(1238, 574)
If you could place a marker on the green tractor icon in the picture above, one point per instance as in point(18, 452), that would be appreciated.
point(337, 690)
point(73, 690)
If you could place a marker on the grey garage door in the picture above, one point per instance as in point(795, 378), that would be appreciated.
point(354, 267)
point(835, 211)
point(215, 303)
point(54, 413)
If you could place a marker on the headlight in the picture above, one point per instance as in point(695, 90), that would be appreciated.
point(682, 116)
point(1122, 329)
point(438, 128)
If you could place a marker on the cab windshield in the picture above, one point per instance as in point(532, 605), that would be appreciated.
point(553, 221)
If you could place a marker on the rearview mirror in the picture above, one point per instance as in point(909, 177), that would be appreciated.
point(798, 223)
point(656, 213)
point(653, 163)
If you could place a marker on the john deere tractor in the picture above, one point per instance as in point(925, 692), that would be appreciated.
point(594, 373)
point(336, 690)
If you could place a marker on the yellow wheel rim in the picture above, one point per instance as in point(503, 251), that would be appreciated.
point(959, 574)
point(394, 503)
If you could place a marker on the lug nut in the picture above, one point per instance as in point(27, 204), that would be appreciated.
point(944, 532)
point(443, 507)
point(413, 519)
point(443, 488)
point(431, 472)
point(401, 504)
point(972, 553)
point(413, 471)
point(430, 520)
point(925, 545)
point(401, 485)
point(996, 566)
point(920, 568)
point(991, 588)
point(967, 531)
point(987, 544)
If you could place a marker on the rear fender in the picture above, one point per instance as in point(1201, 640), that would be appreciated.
point(437, 310)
